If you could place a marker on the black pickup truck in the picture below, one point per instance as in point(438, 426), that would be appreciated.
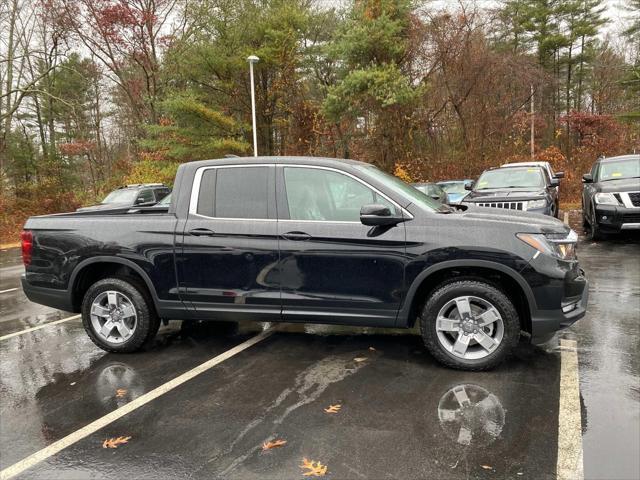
point(295, 239)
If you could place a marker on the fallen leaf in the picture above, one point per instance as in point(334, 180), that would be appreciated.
point(359, 359)
point(486, 467)
point(333, 408)
point(276, 443)
point(72, 383)
point(120, 393)
point(114, 442)
point(372, 349)
point(314, 469)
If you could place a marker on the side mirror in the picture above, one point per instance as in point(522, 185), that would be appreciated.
point(375, 215)
point(469, 185)
point(555, 182)
point(559, 175)
point(587, 178)
point(139, 201)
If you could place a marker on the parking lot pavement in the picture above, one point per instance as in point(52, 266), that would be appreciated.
point(401, 415)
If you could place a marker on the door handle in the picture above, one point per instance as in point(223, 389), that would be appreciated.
point(201, 232)
point(296, 236)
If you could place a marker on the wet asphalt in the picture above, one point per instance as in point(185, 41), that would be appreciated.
point(401, 415)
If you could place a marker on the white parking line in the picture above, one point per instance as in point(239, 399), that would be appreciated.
point(33, 329)
point(570, 465)
point(96, 425)
point(9, 290)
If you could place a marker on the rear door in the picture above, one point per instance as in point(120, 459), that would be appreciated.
point(333, 268)
point(230, 245)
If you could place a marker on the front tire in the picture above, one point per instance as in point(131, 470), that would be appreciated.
point(469, 325)
point(593, 232)
point(118, 315)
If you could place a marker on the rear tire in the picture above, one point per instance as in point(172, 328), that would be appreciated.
point(445, 330)
point(118, 315)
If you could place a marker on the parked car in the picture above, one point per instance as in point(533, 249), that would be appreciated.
point(516, 188)
point(611, 196)
point(455, 189)
point(546, 166)
point(136, 195)
point(433, 190)
point(295, 239)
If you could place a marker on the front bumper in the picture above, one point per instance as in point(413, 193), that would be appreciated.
point(611, 218)
point(545, 323)
point(561, 293)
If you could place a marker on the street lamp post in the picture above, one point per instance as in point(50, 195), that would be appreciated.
point(253, 59)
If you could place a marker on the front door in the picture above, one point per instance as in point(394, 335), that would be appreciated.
point(229, 252)
point(334, 269)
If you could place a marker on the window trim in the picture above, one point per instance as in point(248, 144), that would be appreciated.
point(195, 192)
point(318, 167)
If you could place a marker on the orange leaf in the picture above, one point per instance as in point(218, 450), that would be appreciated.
point(333, 408)
point(114, 442)
point(120, 393)
point(314, 469)
point(276, 443)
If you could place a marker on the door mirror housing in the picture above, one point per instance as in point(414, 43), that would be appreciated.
point(375, 215)
point(587, 178)
point(559, 175)
point(469, 185)
point(555, 182)
point(139, 200)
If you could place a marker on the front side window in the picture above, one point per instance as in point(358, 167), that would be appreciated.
point(326, 195)
point(145, 196)
point(160, 193)
point(234, 193)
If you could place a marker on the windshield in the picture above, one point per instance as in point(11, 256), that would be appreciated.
point(121, 196)
point(453, 187)
point(526, 177)
point(407, 190)
point(615, 170)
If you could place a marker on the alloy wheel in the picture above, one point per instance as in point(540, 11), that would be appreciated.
point(113, 316)
point(469, 327)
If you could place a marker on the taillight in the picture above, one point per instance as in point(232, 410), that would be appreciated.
point(27, 246)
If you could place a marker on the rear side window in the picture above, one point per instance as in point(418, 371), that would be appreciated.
point(234, 193)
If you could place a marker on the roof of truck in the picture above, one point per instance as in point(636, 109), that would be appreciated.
point(322, 161)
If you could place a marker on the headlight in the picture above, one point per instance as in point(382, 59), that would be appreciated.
point(606, 199)
point(536, 204)
point(559, 246)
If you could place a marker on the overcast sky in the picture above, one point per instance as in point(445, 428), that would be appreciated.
point(615, 11)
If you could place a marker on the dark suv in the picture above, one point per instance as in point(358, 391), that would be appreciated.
point(135, 195)
point(526, 188)
point(611, 196)
point(296, 239)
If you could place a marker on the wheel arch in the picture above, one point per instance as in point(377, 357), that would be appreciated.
point(509, 280)
point(93, 269)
